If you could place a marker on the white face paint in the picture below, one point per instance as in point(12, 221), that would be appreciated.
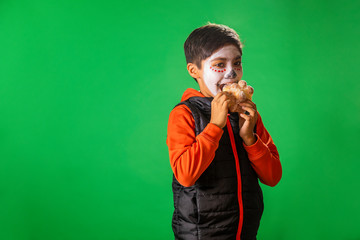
point(223, 66)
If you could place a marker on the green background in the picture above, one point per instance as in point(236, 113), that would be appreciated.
point(86, 88)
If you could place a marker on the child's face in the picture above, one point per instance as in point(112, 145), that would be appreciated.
point(223, 66)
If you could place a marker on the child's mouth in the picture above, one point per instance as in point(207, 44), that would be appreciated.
point(221, 86)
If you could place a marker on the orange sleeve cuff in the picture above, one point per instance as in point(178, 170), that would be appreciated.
point(256, 150)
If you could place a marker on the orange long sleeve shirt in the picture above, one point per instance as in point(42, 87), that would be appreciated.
point(190, 155)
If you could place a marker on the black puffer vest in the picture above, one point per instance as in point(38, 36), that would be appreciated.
point(210, 209)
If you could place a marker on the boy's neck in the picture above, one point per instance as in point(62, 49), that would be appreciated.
point(204, 90)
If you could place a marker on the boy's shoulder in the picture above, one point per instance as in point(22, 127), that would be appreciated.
point(181, 113)
point(181, 107)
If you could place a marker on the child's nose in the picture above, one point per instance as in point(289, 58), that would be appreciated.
point(231, 74)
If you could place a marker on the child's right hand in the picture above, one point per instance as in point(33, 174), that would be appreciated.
point(219, 109)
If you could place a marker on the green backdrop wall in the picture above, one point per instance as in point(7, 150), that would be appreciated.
point(86, 88)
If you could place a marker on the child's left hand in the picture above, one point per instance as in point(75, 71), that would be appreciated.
point(247, 122)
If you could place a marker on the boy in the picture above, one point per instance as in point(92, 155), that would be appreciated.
point(218, 156)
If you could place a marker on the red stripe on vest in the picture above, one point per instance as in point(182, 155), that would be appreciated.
point(231, 134)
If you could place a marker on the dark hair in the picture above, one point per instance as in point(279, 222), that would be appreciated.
point(205, 40)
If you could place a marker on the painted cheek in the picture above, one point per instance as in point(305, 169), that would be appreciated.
point(211, 78)
point(217, 70)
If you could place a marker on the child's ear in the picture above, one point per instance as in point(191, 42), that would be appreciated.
point(193, 70)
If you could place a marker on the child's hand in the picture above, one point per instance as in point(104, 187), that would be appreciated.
point(219, 109)
point(247, 122)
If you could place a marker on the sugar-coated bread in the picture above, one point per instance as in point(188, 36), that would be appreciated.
point(238, 92)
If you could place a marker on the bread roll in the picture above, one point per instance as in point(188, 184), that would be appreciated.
point(238, 92)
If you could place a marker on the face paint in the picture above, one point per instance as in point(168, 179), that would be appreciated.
point(231, 74)
point(223, 66)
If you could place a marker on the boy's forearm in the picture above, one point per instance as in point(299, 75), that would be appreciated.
point(190, 155)
point(190, 162)
point(250, 140)
point(264, 156)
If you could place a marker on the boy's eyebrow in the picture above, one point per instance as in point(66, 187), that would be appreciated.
point(220, 58)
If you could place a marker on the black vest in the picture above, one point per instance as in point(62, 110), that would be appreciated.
point(210, 209)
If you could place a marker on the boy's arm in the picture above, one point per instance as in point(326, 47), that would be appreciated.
point(190, 155)
point(264, 157)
